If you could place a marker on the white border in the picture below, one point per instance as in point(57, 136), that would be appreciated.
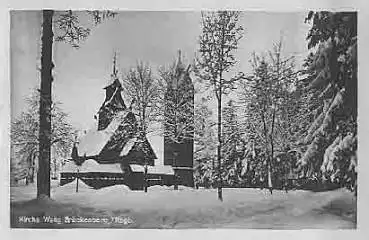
point(164, 5)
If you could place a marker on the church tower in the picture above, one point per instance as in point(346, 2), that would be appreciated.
point(113, 102)
point(179, 152)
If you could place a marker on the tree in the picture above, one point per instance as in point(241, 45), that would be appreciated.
point(178, 117)
point(267, 95)
point(233, 145)
point(331, 140)
point(71, 32)
point(25, 142)
point(142, 88)
point(205, 144)
point(218, 41)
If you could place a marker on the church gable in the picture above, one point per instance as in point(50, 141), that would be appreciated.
point(126, 131)
point(142, 152)
point(112, 104)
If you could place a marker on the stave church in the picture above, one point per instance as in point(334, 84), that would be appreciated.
point(115, 153)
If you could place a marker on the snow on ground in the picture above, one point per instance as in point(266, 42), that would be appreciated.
point(163, 207)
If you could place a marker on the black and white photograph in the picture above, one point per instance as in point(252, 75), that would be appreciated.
point(183, 119)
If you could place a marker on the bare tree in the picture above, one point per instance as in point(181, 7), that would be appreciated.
point(142, 88)
point(24, 136)
point(218, 41)
point(267, 95)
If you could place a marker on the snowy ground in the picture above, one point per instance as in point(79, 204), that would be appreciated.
point(162, 207)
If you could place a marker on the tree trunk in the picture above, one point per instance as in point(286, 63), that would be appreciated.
point(43, 176)
point(270, 165)
point(145, 178)
point(270, 183)
point(213, 164)
point(32, 175)
point(175, 165)
point(220, 195)
point(77, 180)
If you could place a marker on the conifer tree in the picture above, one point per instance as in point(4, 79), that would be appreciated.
point(205, 144)
point(267, 95)
point(233, 145)
point(331, 139)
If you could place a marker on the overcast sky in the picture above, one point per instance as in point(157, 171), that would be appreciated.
point(154, 37)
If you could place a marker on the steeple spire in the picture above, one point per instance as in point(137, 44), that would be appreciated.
point(179, 61)
point(115, 71)
point(179, 55)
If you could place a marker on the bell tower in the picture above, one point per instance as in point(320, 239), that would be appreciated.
point(179, 154)
point(113, 102)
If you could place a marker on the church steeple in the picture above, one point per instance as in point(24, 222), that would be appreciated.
point(113, 102)
point(115, 71)
point(181, 74)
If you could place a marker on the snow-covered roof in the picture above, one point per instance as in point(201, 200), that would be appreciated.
point(136, 168)
point(159, 169)
point(157, 143)
point(92, 166)
point(111, 168)
point(128, 147)
point(94, 141)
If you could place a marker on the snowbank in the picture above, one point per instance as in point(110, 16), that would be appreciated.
point(162, 207)
point(71, 187)
point(158, 188)
point(170, 188)
point(69, 166)
point(117, 189)
point(89, 165)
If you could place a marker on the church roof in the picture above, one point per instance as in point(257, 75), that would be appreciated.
point(115, 138)
point(92, 143)
point(118, 140)
point(91, 165)
point(158, 169)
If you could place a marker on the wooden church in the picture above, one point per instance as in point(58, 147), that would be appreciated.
point(114, 153)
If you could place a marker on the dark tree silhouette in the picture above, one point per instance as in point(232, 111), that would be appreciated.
point(72, 33)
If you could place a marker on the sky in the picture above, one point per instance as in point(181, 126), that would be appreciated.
point(152, 37)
